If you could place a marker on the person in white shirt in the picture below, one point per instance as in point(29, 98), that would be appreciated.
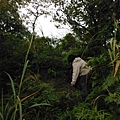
point(79, 73)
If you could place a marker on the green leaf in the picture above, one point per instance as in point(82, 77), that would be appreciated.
point(118, 100)
point(41, 104)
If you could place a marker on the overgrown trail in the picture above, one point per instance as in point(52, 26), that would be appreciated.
point(62, 85)
point(70, 97)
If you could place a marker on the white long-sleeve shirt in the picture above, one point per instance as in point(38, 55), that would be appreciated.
point(79, 69)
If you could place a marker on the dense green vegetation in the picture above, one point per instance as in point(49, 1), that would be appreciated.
point(35, 75)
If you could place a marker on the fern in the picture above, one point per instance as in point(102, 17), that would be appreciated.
point(84, 112)
point(110, 81)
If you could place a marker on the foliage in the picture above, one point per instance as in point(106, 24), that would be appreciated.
point(37, 69)
point(101, 62)
point(16, 94)
point(90, 19)
point(83, 112)
point(44, 57)
point(11, 24)
point(13, 36)
point(114, 49)
point(40, 104)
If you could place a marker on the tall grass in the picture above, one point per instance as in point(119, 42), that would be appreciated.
point(8, 110)
point(114, 49)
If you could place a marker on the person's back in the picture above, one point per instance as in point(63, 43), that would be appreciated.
point(79, 74)
point(82, 65)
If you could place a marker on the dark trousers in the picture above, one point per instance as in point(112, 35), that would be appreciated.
point(81, 84)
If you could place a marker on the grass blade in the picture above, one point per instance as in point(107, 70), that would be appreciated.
point(23, 73)
point(20, 108)
point(13, 87)
point(41, 104)
point(1, 116)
